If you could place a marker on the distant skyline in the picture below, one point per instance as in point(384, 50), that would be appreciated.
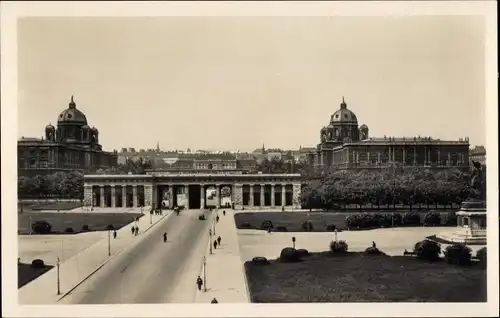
point(234, 83)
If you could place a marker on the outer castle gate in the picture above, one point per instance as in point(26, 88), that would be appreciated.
point(193, 190)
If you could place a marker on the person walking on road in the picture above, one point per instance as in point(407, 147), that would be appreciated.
point(136, 230)
point(214, 301)
point(215, 244)
point(218, 240)
point(217, 219)
point(114, 234)
point(199, 282)
point(165, 237)
point(224, 212)
point(133, 229)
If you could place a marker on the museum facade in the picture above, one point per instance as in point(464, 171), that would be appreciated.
point(345, 145)
point(73, 145)
point(193, 190)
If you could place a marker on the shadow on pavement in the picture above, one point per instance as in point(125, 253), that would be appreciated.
point(26, 273)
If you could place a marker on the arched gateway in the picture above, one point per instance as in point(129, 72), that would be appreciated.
point(193, 190)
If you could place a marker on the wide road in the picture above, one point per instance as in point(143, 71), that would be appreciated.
point(152, 271)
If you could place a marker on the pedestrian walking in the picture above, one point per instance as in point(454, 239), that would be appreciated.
point(215, 244)
point(269, 229)
point(224, 212)
point(218, 240)
point(114, 234)
point(217, 219)
point(373, 244)
point(214, 301)
point(199, 282)
point(133, 230)
point(136, 230)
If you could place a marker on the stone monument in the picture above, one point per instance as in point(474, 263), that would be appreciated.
point(471, 219)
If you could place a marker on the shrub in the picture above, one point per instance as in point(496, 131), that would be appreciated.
point(451, 219)
point(385, 221)
point(338, 246)
point(432, 218)
point(85, 228)
point(373, 251)
point(110, 227)
point(302, 252)
point(307, 226)
point(266, 224)
point(481, 255)
point(37, 263)
point(259, 260)
point(289, 254)
point(458, 254)
point(69, 230)
point(427, 250)
point(281, 229)
point(411, 218)
point(331, 227)
point(41, 227)
point(398, 219)
point(246, 225)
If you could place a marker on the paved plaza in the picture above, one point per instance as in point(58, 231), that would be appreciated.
point(392, 241)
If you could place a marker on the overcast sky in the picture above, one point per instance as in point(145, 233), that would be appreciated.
point(237, 82)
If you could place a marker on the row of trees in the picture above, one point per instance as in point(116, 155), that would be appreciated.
point(67, 185)
point(389, 187)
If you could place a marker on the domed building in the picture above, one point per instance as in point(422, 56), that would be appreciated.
point(345, 145)
point(72, 145)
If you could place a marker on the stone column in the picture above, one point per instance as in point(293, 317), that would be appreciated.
point(238, 196)
point(124, 196)
point(272, 195)
point(404, 156)
point(378, 158)
point(87, 195)
point(202, 196)
point(415, 156)
point(217, 187)
point(296, 195)
point(449, 159)
point(262, 188)
point(250, 200)
point(148, 195)
point(101, 189)
point(283, 194)
point(171, 194)
point(113, 196)
point(134, 195)
point(186, 191)
point(425, 156)
point(389, 157)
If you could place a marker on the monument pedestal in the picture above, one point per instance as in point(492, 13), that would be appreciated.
point(471, 224)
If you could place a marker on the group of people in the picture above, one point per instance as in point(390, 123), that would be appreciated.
point(135, 230)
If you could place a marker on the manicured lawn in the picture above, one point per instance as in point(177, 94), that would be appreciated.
point(60, 220)
point(37, 206)
point(360, 278)
point(293, 220)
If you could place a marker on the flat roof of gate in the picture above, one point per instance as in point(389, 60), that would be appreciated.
point(215, 175)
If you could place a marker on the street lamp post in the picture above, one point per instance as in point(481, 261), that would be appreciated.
point(204, 274)
point(109, 242)
point(210, 235)
point(31, 226)
point(335, 235)
point(58, 279)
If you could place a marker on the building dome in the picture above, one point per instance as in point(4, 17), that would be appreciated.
point(71, 115)
point(49, 127)
point(343, 115)
point(85, 127)
point(94, 130)
point(362, 127)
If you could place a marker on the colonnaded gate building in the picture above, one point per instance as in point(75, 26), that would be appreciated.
point(193, 190)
